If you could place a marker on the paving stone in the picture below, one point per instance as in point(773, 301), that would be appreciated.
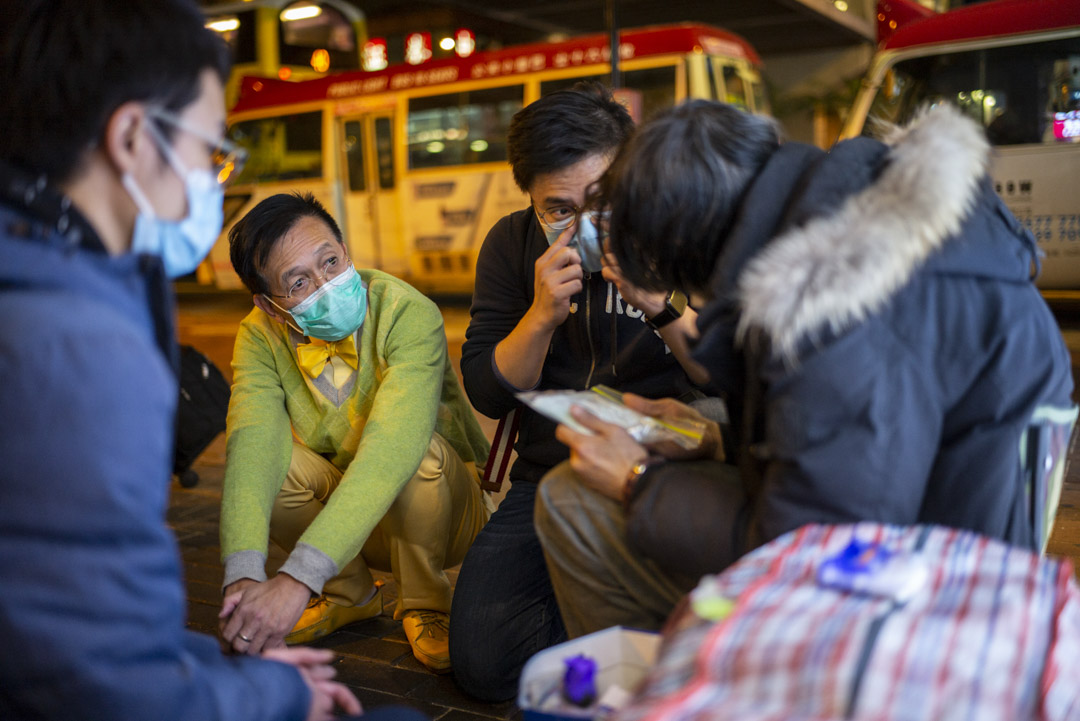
point(459, 715)
point(380, 627)
point(363, 673)
point(212, 574)
point(208, 593)
point(443, 691)
point(374, 699)
point(372, 649)
point(203, 617)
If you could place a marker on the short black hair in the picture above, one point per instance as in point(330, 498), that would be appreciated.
point(564, 127)
point(254, 236)
point(673, 191)
point(69, 64)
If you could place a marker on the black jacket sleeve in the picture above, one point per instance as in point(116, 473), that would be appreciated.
point(502, 294)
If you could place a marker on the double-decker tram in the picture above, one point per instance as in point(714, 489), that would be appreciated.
point(1014, 66)
point(411, 160)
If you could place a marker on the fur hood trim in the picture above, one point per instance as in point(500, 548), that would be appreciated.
point(836, 270)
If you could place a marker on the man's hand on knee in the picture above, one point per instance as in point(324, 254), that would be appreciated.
point(257, 616)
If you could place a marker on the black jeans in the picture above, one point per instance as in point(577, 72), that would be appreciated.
point(504, 608)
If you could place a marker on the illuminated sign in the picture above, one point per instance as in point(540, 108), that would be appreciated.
point(417, 48)
point(320, 60)
point(464, 43)
point(301, 11)
point(375, 57)
point(1067, 125)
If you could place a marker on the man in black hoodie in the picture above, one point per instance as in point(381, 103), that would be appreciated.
point(544, 316)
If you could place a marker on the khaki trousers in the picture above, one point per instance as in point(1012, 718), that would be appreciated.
point(427, 529)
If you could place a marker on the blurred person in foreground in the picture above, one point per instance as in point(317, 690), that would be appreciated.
point(871, 316)
point(547, 315)
point(350, 443)
point(111, 163)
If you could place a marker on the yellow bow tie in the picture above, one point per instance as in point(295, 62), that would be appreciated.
point(314, 356)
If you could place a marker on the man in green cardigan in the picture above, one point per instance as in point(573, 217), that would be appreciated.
point(350, 443)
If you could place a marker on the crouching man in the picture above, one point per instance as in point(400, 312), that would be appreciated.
point(350, 444)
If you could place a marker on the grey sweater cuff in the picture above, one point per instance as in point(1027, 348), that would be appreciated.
point(310, 566)
point(244, 564)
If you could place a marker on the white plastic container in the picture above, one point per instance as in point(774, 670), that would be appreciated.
point(622, 655)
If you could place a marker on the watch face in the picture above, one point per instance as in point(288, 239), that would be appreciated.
point(676, 302)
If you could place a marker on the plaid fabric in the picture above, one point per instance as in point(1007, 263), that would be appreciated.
point(994, 635)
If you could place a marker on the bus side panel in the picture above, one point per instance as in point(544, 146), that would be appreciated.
point(447, 218)
point(1039, 184)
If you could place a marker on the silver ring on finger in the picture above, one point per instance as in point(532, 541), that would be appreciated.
point(244, 638)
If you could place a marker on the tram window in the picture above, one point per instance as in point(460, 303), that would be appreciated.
point(326, 41)
point(240, 35)
point(284, 147)
point(761, 103)
point(384, 152)
point(657, 86)
point(461, 128)
point(550, 86)
point(734, 88)
point(354, 155)
point(1015, 92)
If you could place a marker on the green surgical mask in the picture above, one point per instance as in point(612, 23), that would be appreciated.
point(335, 310)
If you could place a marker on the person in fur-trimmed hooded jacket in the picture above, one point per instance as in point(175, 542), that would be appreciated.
point(871, 316)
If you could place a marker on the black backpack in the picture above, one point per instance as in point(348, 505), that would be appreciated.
point(200, 414)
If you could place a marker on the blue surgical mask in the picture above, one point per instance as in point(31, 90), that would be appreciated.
point(335, 310)
point(586, 242)
point(181, 244)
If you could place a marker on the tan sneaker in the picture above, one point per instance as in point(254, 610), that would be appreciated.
point(322, 616)
point(429, 635)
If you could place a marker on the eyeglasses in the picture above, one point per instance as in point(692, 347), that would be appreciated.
point(566, 216)
point(226, 157)
point(304, 285)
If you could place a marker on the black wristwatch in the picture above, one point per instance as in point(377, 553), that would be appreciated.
point(674, 306)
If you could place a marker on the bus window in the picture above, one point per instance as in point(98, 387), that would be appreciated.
point(354, 155)
point(656, 85)
point(238, 32)
point(1012, 91)
point(285, 147)
point(325, 41)
point(384, 152)
point(547, 87)
point(460, 128)
point(734, 88)
point(761, 102)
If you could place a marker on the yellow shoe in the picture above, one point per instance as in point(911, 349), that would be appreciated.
point(323, 616)
point(429, 635)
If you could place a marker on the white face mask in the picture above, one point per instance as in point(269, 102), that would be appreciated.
point(181, 244)
point(586, 241)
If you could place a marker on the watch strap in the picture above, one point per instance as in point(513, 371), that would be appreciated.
point(674, 306)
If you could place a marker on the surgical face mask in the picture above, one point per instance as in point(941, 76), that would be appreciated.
point(586, 241)
point(181, 244)
point(335, 310)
